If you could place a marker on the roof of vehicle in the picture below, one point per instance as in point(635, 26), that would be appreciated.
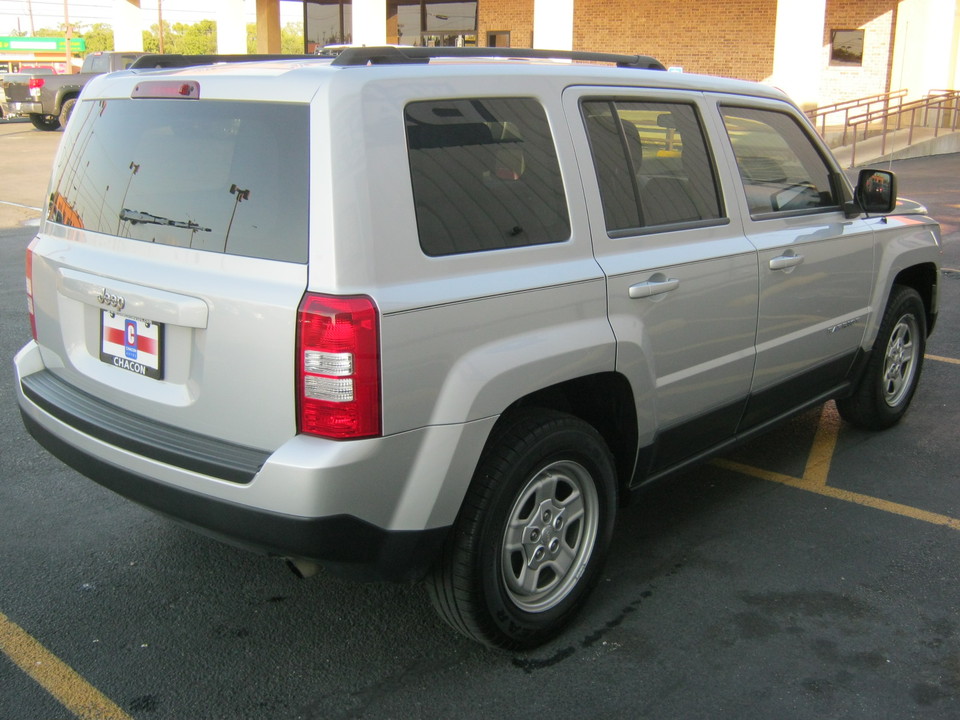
point(295, 78)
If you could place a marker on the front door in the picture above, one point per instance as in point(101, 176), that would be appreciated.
point(815, 264)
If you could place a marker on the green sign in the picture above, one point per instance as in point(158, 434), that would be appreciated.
point(45, 44)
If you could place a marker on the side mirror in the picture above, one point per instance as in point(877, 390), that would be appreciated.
point(876, 191)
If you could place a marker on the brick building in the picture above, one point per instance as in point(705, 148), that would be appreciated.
point(819, 51)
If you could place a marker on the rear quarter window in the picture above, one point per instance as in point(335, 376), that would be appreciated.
point(485, 175)
point(218, 176)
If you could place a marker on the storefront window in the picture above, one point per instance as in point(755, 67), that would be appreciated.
point(327, 22)
point(407, 13)
point(409, 22)
point(434, 24)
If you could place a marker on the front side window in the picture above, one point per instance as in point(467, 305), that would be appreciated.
point(485, 175)
point(652, 164)
point(781, 169)
point(209, 175)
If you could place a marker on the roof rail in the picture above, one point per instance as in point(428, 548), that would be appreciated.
point(165, 61)
point(389, 55)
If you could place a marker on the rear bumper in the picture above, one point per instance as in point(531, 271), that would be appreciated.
point(22, 108)
point(376, 510)
point(345, 545)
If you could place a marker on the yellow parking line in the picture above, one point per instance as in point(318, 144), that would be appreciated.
point(845, 495)
point(817, 470)
point(938, 358)
point(55, 676)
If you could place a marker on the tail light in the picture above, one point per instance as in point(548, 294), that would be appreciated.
point(338, 367)
point(35, 85)
point(30, 309)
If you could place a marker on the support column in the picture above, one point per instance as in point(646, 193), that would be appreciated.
point(127, 32)
point(798, 49)
point(231, 28)
point(925, 49)
point(553, 24)
point(369, 22)
point(268, 26)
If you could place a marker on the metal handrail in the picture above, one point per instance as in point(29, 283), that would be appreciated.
point(887, 100)
point(944, 105)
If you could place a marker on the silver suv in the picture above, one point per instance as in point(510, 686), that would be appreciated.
point(406, 315)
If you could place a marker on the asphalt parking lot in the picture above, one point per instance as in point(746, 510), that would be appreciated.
point(813, 573)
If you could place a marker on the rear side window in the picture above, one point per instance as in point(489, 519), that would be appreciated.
point(226, 177)
point(781, 169)
point(652, 163)
point(485, 175)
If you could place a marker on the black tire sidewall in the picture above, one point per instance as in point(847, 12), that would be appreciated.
point(574, 441)
point(66, 111)
point(868, 407)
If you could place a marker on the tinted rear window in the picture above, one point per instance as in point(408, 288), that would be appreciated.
point(218, 176)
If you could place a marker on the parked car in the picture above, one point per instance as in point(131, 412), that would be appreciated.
point(48, 99)
point(413, 314)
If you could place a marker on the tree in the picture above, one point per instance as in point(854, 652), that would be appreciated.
point(151, 38)
point(197, 39)
point(99, 37)
point(60, 31)
point(201, 38)
point(291, 38)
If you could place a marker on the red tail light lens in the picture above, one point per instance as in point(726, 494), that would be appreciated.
point(30, 308)
point(338, 367)
point(36, 82)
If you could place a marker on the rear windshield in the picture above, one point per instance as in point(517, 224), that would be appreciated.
point(219, 176)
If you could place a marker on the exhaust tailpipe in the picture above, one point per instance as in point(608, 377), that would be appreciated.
point(302, 568)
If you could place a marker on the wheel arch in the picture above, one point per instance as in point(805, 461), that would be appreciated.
point(923, 278)
point(66, 93)
point(604, 401)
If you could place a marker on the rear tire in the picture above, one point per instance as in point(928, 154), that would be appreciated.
point(532, 533)
point(893, 370)
point(47, 123)
point(66, 110)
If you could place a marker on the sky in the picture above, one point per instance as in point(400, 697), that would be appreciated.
point(15, 14)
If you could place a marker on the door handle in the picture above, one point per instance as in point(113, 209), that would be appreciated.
point(653, 287)
point(785, 262)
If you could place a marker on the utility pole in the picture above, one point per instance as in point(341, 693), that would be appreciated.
point(160, 26)
point(69, 38)
point(33, 32)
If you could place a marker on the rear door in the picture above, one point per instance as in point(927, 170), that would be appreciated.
point(681, 277)
point(816, 265)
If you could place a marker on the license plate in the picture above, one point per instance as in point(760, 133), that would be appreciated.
point(132, 344)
